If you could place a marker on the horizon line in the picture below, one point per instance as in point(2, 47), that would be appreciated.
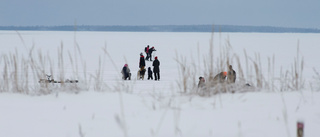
point(165, 28)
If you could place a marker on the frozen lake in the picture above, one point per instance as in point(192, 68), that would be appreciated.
point(155, 108)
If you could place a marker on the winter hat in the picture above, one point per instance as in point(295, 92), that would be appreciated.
point(156, 57)
point(141, 54)
point(152, 47)
point(224, 73)
point(126, 65)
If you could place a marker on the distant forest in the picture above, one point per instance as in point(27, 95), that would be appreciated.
point(167, 28)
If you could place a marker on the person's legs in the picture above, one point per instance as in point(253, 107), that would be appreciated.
point(129, 76)
point(150, 56)
point(147, 58)
point(155, 76)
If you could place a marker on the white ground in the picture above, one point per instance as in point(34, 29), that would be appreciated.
point(155, 108)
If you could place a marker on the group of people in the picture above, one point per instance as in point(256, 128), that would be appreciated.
point(142, 64)
point(222, 77)
point(148, 52)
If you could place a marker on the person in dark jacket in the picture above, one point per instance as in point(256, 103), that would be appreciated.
point(142, 62)
point(231, 75)
point(156, 69)
point(150, 52)
point(126, 72)
point(150, 73)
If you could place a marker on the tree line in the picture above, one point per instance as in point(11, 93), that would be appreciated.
point(166, 28)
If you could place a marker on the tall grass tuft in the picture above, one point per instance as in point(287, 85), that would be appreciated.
point(184, 74)
point(258, 71)
point(297, 70)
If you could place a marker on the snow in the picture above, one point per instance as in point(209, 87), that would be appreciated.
point(156, 108)
point(248, 114)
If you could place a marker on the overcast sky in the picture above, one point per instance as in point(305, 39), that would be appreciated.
point(282, 13)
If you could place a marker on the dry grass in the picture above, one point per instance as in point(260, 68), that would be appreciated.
point(21, 73)
point(253, 73)
point(317, 80)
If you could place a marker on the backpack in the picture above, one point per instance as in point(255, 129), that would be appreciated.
point(145, 49)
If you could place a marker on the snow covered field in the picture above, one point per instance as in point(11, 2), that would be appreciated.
point(156, 108)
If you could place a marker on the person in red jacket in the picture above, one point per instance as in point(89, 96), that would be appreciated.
point(146, 50)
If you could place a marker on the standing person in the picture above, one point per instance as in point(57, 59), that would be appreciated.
point(126, 72)
point(142, 62)
point(150, 73)
point(150, 52)
point(156, 69)
point(231, 75)
point(146, 50)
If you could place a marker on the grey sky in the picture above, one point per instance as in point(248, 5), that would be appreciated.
point(282, 13)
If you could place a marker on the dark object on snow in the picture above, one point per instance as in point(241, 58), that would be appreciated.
point(140, 74)
point(146, 50)
point(149, 53)
point(231, 75)
point(150, 73)
point(126, 72)
point(156, 69)
point(142, 62)
point(70, 81)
